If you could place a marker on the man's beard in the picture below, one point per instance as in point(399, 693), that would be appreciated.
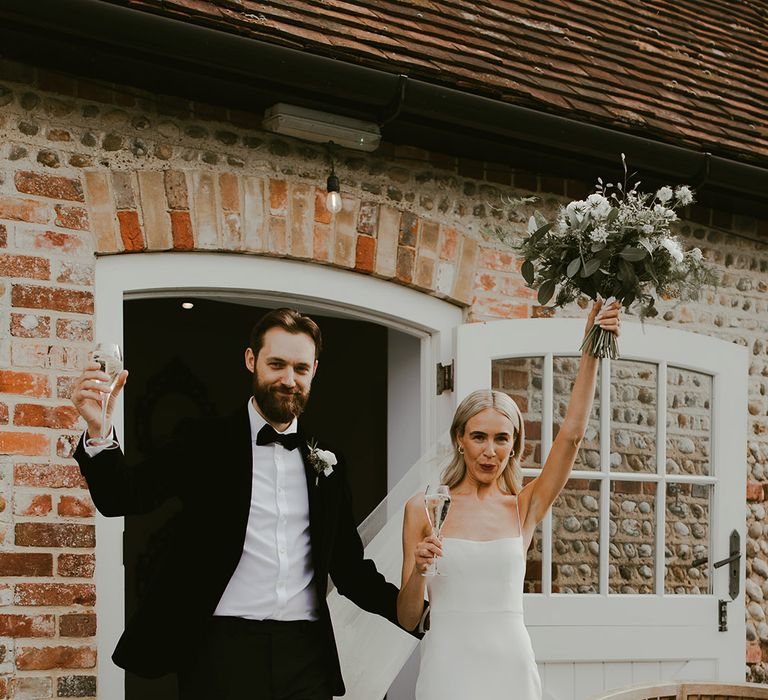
point(276, 408)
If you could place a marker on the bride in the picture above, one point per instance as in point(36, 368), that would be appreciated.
point(477, 645)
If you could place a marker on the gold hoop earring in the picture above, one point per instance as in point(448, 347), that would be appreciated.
point(460, 449)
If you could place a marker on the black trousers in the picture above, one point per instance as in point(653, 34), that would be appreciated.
point(243, 659)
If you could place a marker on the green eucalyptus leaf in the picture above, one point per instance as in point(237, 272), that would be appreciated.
point(590, 267)
point(528, 271)
point(633, 254)
point(540, 220)
point(573, 267)
point(546, 291)
point(612, 215)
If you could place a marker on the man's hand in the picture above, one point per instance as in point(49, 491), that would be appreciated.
point(89, 389)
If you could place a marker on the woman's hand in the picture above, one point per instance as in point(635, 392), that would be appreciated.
point(607, 317)
point(425, 552)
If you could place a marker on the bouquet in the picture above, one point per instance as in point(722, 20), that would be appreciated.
point(617, 244)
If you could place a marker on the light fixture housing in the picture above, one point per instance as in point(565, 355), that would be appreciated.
point(321, 127)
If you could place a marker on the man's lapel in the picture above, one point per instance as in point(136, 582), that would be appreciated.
point(317, 496)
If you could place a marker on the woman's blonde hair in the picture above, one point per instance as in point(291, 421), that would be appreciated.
point(511, 478)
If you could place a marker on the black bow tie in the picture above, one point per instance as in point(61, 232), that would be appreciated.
point(267, 435)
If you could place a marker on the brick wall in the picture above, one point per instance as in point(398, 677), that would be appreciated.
point(88, 168)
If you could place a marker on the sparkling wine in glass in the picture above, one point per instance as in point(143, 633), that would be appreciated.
point(110, 358)
point(437, 502)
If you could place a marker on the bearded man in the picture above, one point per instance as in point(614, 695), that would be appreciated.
point(238, 608)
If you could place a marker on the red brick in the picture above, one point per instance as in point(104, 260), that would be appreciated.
point(229, 187)
point(77, 625)
point(72, 217)
point(3, 414)
point(24, 383)
point(365, 253)
point(27, 626)
point(29, 444)
point(321, 241)
point(3, 236)
point(409, 224)
point(89, 90)
point(322, 213)
point(52, 476)
point(5, 690)
point(32, 296)
point(29, 414)
point(74, 329)
point(37, 504)
point(405, 264)
point(55, 535)
point(74, 507)
point(130, 231)
point(493, 259)
point(17, 209)
point(532, 430)
point(278, 196)
point(25, 564)
point(37, 659)
point(754, 653)
point(627, 487)
point(76, 565)
point(56, 241)
point(25, 266)
point(30, 326)
point(181, 227)
point(449, 244)
point(49, 186)
point(755, 492)
point(55, 594)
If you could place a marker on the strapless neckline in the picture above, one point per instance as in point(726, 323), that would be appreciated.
point(498, 539)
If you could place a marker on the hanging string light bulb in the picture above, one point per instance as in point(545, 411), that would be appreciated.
point(333, 198)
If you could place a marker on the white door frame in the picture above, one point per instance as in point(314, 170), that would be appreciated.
point(557, 622)
point(257, 280)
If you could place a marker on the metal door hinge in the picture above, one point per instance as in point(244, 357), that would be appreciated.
point(445, 376)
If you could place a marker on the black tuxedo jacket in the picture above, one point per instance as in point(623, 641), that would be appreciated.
point(210, 471)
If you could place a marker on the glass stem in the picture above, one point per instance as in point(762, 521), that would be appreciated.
point(104, 404)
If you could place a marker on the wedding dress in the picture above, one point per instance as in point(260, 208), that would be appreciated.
point(477, 647)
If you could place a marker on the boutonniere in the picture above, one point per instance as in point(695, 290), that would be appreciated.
point(322, 461)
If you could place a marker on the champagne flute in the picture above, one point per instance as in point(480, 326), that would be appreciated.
point(110, 358)
point(437, 503)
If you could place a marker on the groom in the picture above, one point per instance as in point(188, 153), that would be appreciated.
point(238, 608)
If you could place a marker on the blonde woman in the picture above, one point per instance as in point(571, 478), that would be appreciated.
point(477, 645)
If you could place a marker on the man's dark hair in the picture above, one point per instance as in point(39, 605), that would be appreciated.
point(289, 320)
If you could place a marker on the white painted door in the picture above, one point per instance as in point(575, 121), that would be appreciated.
point(620, 573)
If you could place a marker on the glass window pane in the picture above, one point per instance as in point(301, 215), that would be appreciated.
point(633, 416)
point(564, 371)
point(522, 379)
point(576, 538)
point(631, 549)
point(689, 402)
point(687, 550)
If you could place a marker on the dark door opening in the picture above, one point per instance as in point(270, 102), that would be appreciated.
point(189, 363)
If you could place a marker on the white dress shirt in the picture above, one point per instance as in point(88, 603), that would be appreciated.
point(273, 580)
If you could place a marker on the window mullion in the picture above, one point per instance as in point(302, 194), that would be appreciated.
point(605, 466)
point(547, 417)
point(661, 470)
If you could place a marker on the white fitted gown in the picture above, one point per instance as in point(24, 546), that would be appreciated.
point(477, 647)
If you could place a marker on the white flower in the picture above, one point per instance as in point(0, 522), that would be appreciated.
point(696, 254)
point(668, 214)
point(575, 211)
point(664, 194)
point(322, 461)
point(599, 234)
point(684, 195)
point(673, 248)
point(648, 228)
point(599, 206)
